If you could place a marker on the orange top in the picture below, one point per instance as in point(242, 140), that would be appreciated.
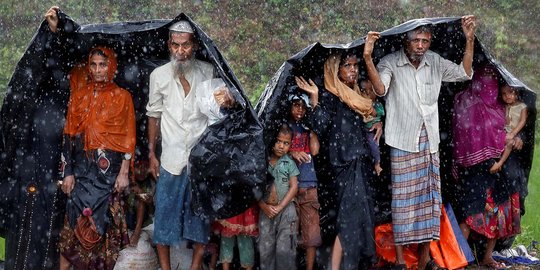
point(102, 112)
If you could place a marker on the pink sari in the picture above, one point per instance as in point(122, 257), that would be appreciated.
point(479, 120)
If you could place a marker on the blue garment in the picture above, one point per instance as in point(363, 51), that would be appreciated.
point(373, 146)
point(174, 219)
point(300, 142)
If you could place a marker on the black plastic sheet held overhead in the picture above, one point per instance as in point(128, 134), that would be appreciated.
point(448, 41)
point(227, 165)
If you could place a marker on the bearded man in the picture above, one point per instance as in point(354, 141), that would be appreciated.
point(176, 105)
point(411, 79)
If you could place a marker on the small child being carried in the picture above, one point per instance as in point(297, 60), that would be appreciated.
point(368, 91)
point(516, 116)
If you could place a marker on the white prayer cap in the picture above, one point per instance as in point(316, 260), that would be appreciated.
point(181, 26)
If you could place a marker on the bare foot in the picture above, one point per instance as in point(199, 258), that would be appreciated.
point(493, 264)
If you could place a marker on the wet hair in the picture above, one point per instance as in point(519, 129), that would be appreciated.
point(301, 101)
point(98, 52)
point(362, 85)
point(285, 130)
point(346, 54)
point(504, 84)
point(420, 29)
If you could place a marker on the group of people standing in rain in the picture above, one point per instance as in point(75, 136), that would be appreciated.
point(340, 121)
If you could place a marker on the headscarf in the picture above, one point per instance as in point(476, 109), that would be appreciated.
point(479, 120)
point(102, 112)
point(352, 97)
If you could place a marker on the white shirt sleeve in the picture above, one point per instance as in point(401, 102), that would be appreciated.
point(452, 72)
point(385, 73)
point(154, 108)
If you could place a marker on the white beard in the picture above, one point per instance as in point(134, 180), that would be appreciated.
point(416, 58)
point(184, 67)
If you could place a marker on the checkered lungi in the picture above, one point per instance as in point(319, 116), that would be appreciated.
point(416, 194)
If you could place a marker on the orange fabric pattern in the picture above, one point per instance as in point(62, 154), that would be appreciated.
point(102, 112)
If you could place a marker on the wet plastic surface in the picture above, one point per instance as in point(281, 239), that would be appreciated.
point(32, 117)
point(448, 41)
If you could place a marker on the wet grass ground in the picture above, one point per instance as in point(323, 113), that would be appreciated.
point(517, 267)
point(530, 223)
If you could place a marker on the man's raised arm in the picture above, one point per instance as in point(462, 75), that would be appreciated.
point(468, 23)
point(373, 74)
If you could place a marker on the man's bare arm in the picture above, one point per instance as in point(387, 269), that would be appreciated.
point(468, 23)
point(373, 74)
point(153, 131)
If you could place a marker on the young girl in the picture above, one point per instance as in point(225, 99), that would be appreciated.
point(241, 228)
point(140, 202)
point(516, 116)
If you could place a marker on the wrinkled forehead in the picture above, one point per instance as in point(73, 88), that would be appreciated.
point(422, 32)
point(181, 37)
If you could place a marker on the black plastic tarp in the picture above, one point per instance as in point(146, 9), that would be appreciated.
point(32, 117)
point(449, 42)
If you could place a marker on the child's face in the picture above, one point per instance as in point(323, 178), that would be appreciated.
point(509, 95)
point(283, 142)
point(370, 91)
point(298, 110)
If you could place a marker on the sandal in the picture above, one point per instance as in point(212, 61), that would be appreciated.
point(495, 265)
point(432, 265)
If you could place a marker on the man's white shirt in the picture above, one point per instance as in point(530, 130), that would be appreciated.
point(411, 97)
point(183, 118)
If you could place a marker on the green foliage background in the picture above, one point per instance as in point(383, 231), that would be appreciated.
point(257, 36)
